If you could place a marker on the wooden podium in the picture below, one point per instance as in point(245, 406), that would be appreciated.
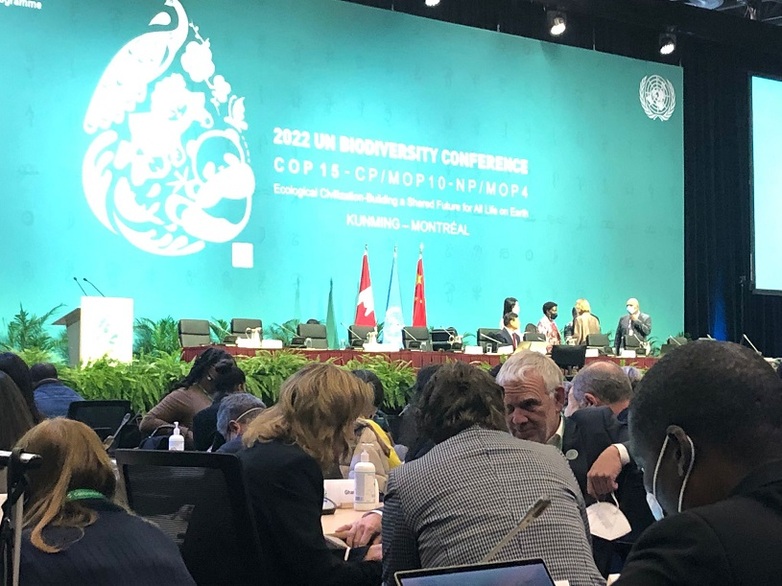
point(101, 326)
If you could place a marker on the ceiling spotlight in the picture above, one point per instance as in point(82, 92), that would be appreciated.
point(431, 3)
point(667, 43)
point(556, 22)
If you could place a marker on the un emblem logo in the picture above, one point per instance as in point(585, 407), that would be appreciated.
point(658, 98)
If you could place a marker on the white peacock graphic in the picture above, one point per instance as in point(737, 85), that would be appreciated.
point(168, 167)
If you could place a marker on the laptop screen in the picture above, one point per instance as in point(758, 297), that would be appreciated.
point(516, 573)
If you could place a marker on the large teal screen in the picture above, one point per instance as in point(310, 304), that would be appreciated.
point(233, 158)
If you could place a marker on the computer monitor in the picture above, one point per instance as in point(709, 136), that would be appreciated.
point(568, 356)
point(527, 572)
point(489, 339)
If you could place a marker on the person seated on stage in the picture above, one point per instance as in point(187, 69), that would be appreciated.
point(546, 325)
point(635, 323)
point(534, 398)
point(234, 415)
point(510, 305)
point(706, 427)
point(192, 394)
point(17, 369)
point(606, 384)
point(288, 447)
point(585, 323)
point(371, 437)
point(452, 506)
point(509, 334)
point(74, 533)
point(229, 379)
point(567, 331)
point(52, 396)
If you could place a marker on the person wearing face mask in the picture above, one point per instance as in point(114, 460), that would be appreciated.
point(635, 323)
point(546, 325)
point(706, 427)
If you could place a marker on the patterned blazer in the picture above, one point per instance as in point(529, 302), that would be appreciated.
point(453, 505)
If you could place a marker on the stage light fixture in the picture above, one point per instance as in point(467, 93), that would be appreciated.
point(556, 22)
point(431, 3)
point(667, 43)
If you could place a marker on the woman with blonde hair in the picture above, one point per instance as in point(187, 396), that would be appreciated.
point(585, 323)
point(289, 446)
point(73, 532)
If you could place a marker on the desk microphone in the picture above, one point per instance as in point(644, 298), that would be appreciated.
point(535, 511)
point(674, 340)
point(751, 344)
point(80, 287)
point(86, 280)
point(108, 443)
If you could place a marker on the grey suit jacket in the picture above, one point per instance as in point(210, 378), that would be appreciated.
point(453, 505)
point(641, 327)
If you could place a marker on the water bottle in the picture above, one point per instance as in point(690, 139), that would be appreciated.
point(176, 442)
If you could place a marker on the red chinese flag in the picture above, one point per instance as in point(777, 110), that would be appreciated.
point(365, 305)
point(419, 299)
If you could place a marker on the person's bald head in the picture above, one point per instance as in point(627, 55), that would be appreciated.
point(602, 383)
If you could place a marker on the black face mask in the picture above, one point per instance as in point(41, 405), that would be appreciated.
point(553, 316)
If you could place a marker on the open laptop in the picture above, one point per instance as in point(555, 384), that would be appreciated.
point(515, 573)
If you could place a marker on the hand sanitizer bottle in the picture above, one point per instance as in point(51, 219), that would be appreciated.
point(366, 495)
point(176, 442)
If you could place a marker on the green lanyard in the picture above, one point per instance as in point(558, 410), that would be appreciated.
point(81, 494)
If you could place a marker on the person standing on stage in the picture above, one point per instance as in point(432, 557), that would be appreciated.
point(585, 323)
point(509, 334)
point(546, 325)
point(635, 323)
point(510, 305)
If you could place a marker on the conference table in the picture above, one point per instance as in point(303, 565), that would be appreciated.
point(416, 358)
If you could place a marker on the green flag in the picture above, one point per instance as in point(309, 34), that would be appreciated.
point(331, 320)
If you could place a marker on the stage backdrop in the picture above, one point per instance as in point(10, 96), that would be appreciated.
point(231, 158)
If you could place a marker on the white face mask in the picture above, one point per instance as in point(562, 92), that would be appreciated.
point(651, 498)
point(607, 521)
point(630, 309)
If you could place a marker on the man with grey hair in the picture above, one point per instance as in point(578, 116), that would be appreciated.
point(236, 412)
point(534, 398)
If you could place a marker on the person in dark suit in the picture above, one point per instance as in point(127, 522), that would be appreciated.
point(509, 334)
point(288, 447)
point(453, 505)
point(73, 531)
point(635, 323)
point(706, 427)
point(534, 398)
point(229, 379)
point(605, 388)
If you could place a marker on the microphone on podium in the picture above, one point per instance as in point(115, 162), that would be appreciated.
point(535, 511)
point(80, 287)
point(86, 280)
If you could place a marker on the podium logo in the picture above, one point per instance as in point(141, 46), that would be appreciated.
point(168, 167)
point(658, 98)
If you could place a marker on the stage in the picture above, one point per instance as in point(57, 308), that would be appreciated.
point(415, 358)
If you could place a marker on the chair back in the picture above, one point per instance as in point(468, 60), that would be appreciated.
point(568, 357)
point(534, 337)
point(598, 341)
point(357, 335)
point(200, 500)
point(194, 332)
point(239, 325)
point(417, 338)
point(488, 339)
point(102, 416)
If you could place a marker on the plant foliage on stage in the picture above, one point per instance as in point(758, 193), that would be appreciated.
point(157, 363)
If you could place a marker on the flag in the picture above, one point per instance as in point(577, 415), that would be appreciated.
point(365, 305)
point(419, 299)
point(331, 321)
point(394, 322)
